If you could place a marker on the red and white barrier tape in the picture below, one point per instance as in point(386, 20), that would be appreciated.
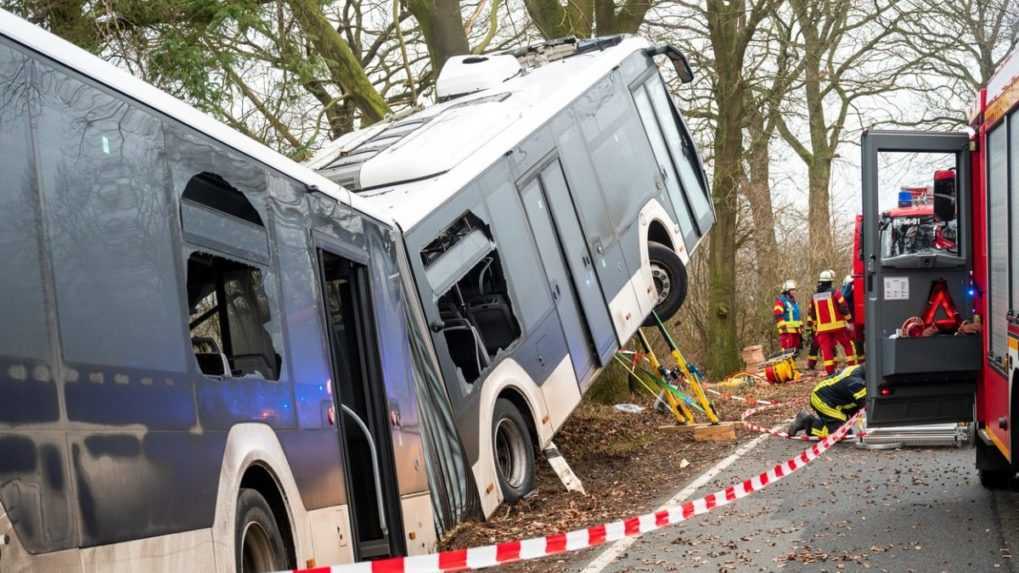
point(778, 433)
point(537, 547)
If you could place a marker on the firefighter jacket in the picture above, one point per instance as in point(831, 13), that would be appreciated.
point(828, 311)
point(841, 395)
point(787, 314)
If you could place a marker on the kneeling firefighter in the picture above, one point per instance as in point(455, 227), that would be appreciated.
point(834, 400)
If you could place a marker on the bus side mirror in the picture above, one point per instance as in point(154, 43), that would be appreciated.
point(945, 195)
point(679, 63)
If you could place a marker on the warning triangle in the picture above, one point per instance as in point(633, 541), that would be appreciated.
point(940, 299)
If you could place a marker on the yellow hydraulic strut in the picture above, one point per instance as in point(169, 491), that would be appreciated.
point(684, 369)
point(679, 409)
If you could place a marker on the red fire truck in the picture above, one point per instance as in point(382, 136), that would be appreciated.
point(940, 280)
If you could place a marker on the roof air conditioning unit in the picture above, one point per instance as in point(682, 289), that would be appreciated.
point(463, 75)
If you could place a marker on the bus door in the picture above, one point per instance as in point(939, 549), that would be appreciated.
point(569, 290)
point(359, 408)
point(917, 278)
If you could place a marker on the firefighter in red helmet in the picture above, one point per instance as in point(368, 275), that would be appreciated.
point(787, 318)
point(830, 320)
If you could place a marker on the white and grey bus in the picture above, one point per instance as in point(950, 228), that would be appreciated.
point(548, 204)
point(208, 358)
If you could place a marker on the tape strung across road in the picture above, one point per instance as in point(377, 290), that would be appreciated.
point(537, 547)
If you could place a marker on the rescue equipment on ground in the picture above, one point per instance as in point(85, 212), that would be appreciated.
point(781, 370)
point(693, 382)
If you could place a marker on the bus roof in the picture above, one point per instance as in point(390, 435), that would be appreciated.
point(437, 151)
point(116, 79)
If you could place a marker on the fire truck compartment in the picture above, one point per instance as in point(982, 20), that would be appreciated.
point(954, 358)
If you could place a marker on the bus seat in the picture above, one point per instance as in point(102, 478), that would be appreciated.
point(494, 318)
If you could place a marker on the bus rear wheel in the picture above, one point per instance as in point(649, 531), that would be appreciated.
point(260, 545)
point(514, 451)
point(670, 281)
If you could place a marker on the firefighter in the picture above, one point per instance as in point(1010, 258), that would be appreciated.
point(787, 318)
point(830, 321)
point(834, 400)
point(857, 333)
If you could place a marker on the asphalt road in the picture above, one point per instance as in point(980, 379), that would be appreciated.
point(901, 510)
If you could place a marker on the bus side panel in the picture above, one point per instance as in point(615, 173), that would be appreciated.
point(594, 217)
point(610, 125)
point(318, 474)
point(397, 371)
point(34, 473)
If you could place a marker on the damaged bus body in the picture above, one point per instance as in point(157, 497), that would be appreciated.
point(549, 203)
point(211, 357)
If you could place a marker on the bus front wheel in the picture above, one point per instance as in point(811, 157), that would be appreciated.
point(514, 451)
point(260, 545)
point(670, 281)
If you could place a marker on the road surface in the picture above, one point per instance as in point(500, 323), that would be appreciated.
point(851, 510)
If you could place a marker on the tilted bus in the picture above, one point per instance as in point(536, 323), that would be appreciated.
point(548, 203)
point(206, 357)
point(949, 376)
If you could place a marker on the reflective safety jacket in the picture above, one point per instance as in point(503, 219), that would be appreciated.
point(787, 314)
point(841, 395)
point(828, 311)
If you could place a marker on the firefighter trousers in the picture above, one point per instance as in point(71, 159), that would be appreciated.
point(826, 343)
point(789, 341)
point(827, 418)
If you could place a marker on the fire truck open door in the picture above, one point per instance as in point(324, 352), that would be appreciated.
point(917, 373)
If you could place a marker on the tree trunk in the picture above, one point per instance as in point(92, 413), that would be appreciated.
point(443, 28)
point(724, 27)
point(822, 249)
point(557, 21)
point(819, 165)
point(758, 193)
point(626, 20)
point(343, 65)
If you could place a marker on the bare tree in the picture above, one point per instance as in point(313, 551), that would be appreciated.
point(958, 46)
point(587, 18)
point(851, 50)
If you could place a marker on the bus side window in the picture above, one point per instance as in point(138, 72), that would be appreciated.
point(476, 316)
point(228, 305)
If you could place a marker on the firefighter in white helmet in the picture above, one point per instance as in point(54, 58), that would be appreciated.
point(787, 318)
point(830, 321)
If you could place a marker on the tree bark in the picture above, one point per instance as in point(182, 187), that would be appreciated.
point(757, 190)
point(725, 35)
point(443, 28)
point(343, 65)
point(557, 21)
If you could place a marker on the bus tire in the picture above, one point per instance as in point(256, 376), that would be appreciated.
point(513, 451)
point(668, 273)
point(259, 544)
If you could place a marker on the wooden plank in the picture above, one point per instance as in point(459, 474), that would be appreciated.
point(704, 432)
point(721, 432)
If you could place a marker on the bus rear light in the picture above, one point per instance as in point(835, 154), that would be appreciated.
point(885, 391)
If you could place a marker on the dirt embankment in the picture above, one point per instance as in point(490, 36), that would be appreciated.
point(628, 463)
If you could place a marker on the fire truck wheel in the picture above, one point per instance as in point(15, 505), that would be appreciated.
point(260, 545)
point(995, 471)
point(670, 280)
point(514, 451)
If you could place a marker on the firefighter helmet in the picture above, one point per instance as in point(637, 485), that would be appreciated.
point(826, 276)
point(788, 285)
